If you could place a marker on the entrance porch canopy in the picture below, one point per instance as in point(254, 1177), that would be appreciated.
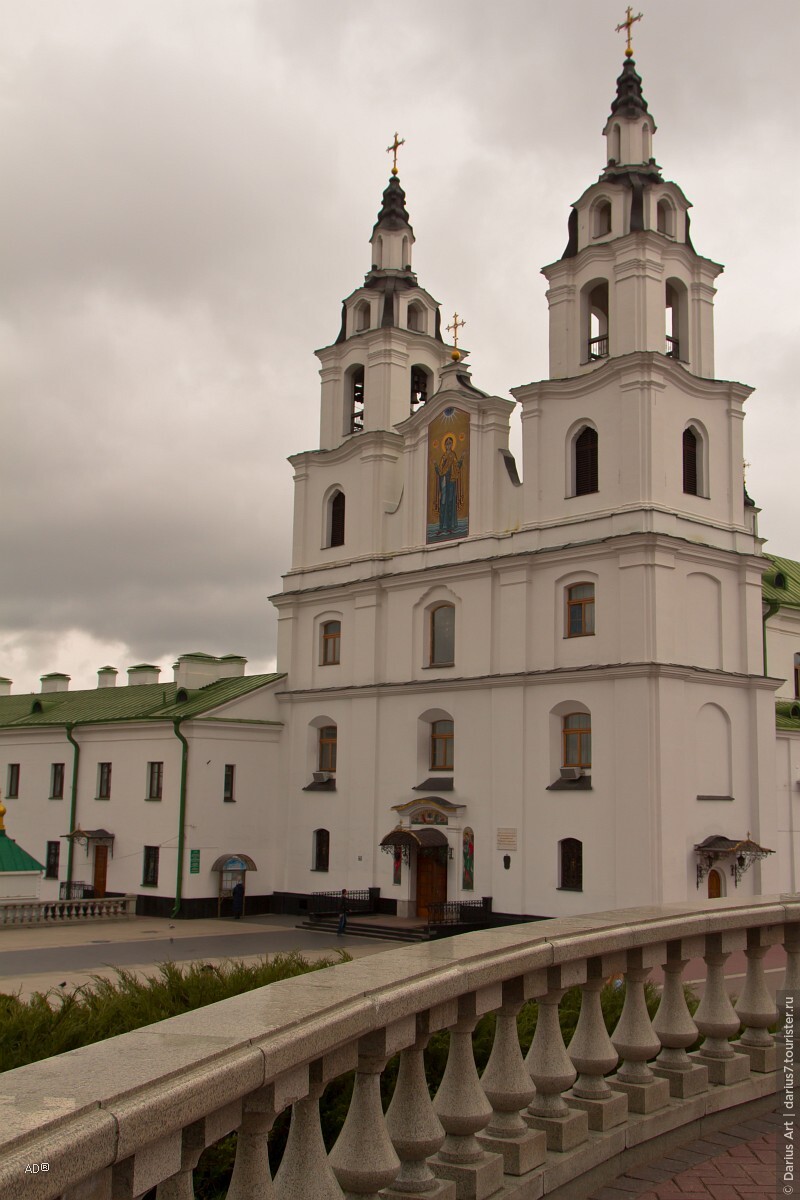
point(403, 839)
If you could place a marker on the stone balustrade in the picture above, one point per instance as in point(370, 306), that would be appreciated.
point(113, 1120)
point(57, 912)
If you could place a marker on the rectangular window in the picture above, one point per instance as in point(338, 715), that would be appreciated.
point(53, 854)
point(442, 746)
point(104, 781)
point(228, 784)
point(580, 610)
point(577, 740)
point(12, 781)
point(327, 749)
point(155, 780)
point(56, 781)
point(331, 642)
point(150, 867)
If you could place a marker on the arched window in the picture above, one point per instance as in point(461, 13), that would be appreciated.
point(443, 635)
point(645, 142)
point(665, 218)
point(570, 865)
point(336, 506)
point(594, 306)
point(577, 741)
point(363, 316)
point(416, 317)
point(331, 640)
point(580, 610)
point(327, 749)
point(320, 850)
point(797, 676)
point(615, 144)
point(420, 386)
point(585, 462)
point(355, 388)
point(442, 746)
point(601, 218)
point(677, 320)
point(690, 455)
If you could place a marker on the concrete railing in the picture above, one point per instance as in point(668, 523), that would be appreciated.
point(114, 1119)
point(51, 912)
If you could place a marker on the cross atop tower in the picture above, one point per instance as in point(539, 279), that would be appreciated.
point(456, 325)
point(395, 146)
point(627, 24)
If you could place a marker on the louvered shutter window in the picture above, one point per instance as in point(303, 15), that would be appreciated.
point(586, 462)
point(337, 519)
point(690, 462)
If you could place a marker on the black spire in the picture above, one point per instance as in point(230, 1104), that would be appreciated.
point(629, 101)
point(393, 213)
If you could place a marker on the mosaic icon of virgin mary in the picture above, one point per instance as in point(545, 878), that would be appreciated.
point(448, 495)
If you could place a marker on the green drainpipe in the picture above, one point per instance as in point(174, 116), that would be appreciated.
point(771, 610)
point(181, 816)
point(73, 806)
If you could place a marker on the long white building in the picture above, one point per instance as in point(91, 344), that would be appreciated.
point(547, 683)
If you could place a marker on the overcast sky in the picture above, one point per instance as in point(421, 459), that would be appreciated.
point(188, 191)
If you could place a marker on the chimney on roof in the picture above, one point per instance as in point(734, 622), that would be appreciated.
point(5, 686)
point(196, 670)
point(55, 682)
point(143, 673)
point(107, 677)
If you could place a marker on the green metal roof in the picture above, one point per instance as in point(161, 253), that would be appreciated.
point(14, 858)
point(787, 596)
point(787, 714)
point(143, 702)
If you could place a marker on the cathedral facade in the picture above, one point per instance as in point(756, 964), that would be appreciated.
point(549, 687)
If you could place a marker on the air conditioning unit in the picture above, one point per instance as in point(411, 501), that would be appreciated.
point(571, 772)
point(322, 776)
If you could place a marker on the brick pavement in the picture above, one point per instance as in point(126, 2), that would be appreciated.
point(738, 1164)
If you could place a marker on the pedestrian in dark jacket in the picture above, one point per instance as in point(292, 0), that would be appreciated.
point(237, 897)
point(342, 913)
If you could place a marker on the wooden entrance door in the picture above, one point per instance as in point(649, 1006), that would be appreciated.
point(431, 880)
point(100, 870)
point(714, 885)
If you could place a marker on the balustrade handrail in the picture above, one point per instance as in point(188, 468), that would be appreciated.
point(48, 912)
point(137, 1107)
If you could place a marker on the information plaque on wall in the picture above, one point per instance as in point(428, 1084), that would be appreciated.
point(194, 862)
point(506, 839)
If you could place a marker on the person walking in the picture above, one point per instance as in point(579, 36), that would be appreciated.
point(342, 913)
point(237, 899)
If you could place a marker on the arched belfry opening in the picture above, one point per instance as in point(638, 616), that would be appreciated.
point(421, 386)
point(594, 314)
point(676, 320)
point(601, 218)
point(354, 391)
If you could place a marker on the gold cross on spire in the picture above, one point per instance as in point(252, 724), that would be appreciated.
point(395, 146)
point(627, 24)
point(457, 324)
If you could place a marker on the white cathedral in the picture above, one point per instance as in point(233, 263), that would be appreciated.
point(549, 689)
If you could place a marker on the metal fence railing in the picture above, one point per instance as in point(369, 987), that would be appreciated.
point(325, 904)
point(459, 912)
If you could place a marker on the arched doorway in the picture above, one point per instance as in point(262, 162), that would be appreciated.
point(714, 884)
point(427, 851)
point(232, 869)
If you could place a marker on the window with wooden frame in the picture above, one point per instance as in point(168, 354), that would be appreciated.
point(443, 636)
point(229, 784)
point(321, 850)
point(570, 874)
point(577, 740)
point(150, 867)
point(155, 780)
point(327, 748)
point(12, 782)
point(330, 643)
point(336, 519)
point(580, 610)
point(690, 449)
point(52, 859)
point(104, 781)
point(442, 746)
point(56, 781)
point(585, 451)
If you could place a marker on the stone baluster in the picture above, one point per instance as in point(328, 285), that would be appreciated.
point(194, 1139)
point(364, 1159)
point(791, 944)
point(415, 1130)
point(716, 1018)
point(509, 1088)
point(305, 1173)
point(463, 1109)
point(593, 1057)
point(635, 1040)
point(251, 1179)
point(674, 1026)
point(756, 1007)
point(551, 1070)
